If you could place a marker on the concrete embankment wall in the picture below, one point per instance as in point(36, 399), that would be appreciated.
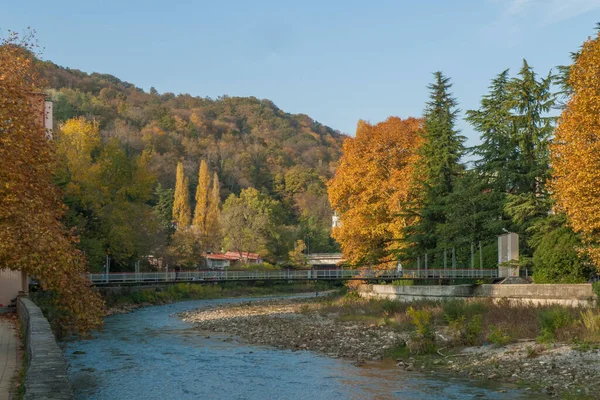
point(567, 295)
point(47, 368)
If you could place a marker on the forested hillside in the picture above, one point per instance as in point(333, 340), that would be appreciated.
point(248, 142)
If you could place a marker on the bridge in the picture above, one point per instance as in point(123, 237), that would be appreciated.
point(138, 278)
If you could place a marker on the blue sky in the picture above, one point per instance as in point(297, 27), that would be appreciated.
point(337, 61)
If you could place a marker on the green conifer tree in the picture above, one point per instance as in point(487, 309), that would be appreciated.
point(498, 153)
point(439, 165)
point(531, 100)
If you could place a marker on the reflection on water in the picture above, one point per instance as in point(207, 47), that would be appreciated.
point(150, 354)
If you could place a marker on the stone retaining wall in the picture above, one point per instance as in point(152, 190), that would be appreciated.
point(47, 368)
point(567, 295)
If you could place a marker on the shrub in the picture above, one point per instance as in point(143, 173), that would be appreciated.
point(498, 336)
point(352, 295)
point(591, 321)
point(455, 309)
point(423, 341)
point(551, 320)
point(466, 330)
point(556, 259)
point(391, 306)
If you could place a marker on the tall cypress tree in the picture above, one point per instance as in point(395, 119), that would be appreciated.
point(213, 216)
point(439, 164)
point(181, 203)
point(202, 190)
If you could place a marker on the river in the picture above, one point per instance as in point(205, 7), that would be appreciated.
point(151, 354)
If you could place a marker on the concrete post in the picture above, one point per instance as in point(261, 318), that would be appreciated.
point(508, 255)
point(480, 259)
point(445, 262)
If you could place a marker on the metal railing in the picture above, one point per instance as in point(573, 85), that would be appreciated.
point(315, 274)
point(442, 273)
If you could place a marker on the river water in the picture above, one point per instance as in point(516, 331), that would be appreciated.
point(152, 354)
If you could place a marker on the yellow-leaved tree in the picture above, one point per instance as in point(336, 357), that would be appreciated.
point(372, 186)
point(213, 217)
point(182, 213)
point(575, 152)
point(33, 238)
point(201, 209)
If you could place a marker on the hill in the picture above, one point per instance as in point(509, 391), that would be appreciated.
point(250, 142)
point(247, 141)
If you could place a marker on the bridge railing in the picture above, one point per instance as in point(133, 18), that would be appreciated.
point(450, 273)
point(308, 274)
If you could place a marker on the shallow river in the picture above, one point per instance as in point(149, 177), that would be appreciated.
point(151, 354)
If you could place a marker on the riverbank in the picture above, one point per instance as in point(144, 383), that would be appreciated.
point(457, 337)
point(128, 299)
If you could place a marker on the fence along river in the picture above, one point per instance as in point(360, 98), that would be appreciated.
point(289, 275)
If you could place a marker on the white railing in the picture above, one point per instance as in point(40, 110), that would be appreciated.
point(252, 275)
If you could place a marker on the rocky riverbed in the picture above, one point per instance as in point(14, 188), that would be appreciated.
point(295, 324)
point(557, 370)
point(302, 324)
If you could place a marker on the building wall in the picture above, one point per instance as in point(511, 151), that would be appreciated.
point(218, 264)
point(10, 284)
point(567, 295)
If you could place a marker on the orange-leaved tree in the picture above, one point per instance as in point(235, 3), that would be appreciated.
point(575, 152)
point(372, 186)
point(32, 237)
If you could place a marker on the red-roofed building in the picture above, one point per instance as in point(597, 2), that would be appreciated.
point(245, 257)
point(217, 261)
point(222, 261)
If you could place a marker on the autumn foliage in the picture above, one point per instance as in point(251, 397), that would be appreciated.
point(32, 236)
point(372, 186)
point(575, 153)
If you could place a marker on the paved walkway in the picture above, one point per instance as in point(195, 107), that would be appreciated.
point(8, 356)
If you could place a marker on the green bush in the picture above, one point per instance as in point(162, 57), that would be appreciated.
point(498, 336)
point(352, 296)
point(391, 306)
point(455, 309)
point(423, 341)
point(556, 259)
point(551, 320)
point(466, 330)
